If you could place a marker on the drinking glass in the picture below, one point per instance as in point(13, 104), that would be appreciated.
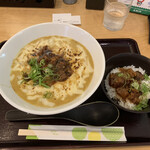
point(115, 13)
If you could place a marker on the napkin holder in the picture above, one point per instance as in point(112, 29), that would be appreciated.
point(95, 4)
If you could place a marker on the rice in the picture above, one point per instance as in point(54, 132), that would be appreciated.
point(113, 94)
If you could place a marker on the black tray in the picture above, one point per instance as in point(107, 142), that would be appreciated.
point(136, 125)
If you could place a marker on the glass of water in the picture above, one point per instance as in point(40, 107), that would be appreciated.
point(115, 13)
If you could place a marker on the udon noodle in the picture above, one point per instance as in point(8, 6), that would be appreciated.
point(58, 92)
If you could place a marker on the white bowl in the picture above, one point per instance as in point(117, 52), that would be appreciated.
point(19, 40)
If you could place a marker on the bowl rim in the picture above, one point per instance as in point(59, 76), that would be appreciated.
point(50, 112)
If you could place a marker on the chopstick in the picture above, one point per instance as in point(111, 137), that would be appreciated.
point(26, 132)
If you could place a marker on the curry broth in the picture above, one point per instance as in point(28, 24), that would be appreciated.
point(58, 101)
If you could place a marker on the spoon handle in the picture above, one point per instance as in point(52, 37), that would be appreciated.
point(17, 115)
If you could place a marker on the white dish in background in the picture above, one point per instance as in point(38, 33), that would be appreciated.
point(11, 48)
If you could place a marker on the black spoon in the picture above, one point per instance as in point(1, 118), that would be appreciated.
point(94, 114)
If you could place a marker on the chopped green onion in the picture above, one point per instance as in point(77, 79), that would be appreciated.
point(125, 75)
point(47, 95)
point(43, 84)
point(32, 62)
point(143, 104)
point(120, 74)
point(146, 77)
point(39, 74)
point(144, 88)
point(42, 62)
point(135, 85)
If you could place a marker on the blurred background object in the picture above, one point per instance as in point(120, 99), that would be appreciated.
point(95, 4)
point(70, 1)
point(28, 3)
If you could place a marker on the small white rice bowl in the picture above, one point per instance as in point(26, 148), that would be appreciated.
point(112, 92)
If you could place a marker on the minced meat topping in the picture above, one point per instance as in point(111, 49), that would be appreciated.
point(47, 68)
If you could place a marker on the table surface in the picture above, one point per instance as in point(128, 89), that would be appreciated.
point(136, 27)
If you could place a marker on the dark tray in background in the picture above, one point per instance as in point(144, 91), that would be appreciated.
point(136, 125)
point(28, 3)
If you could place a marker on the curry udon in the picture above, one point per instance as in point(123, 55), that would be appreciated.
point(51, 71)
